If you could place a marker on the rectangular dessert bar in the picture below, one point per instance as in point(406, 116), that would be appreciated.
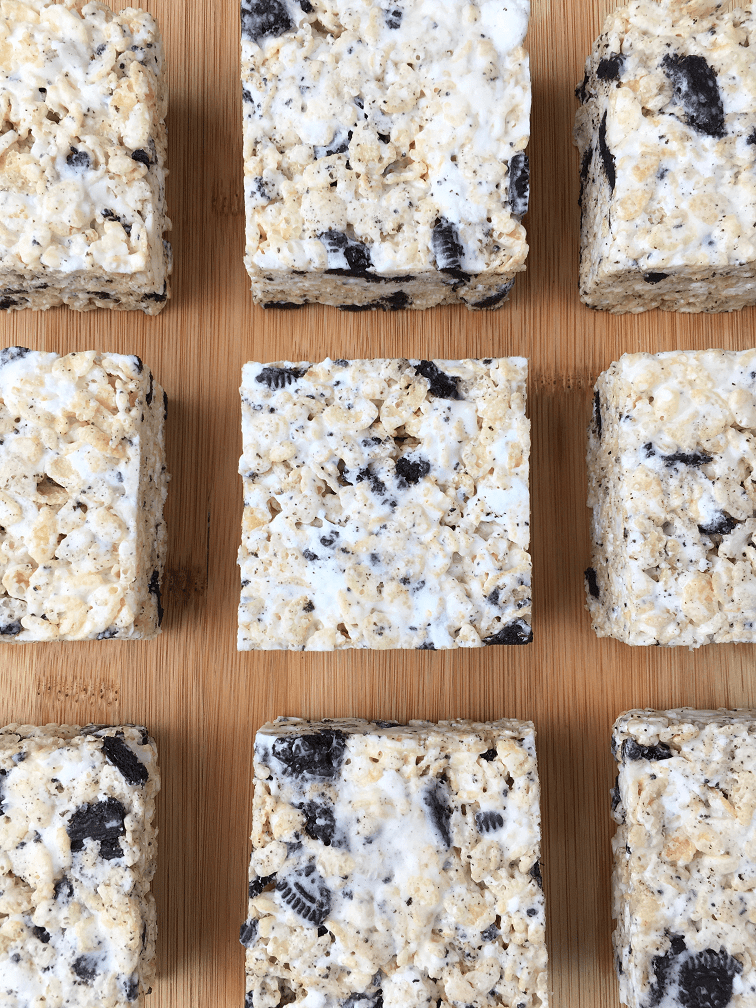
point(671, 480)
point(385, 505)
point(82, 158)
point(82, 486)
point(384, 163)
point(685, 858)
point(666, 131)
point(396, 865)
point(77, 854)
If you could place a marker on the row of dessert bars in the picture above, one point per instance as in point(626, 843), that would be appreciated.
point(386, 502)
point(392, 865)
point(384, 155)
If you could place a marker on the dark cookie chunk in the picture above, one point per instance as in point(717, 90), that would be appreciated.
point(306, 893)
point(130, 987)
point(393, 18)
point(79, 160)
point(125, 760)
point(154, 589)
point(516, 632)
point(696, 90)
point(142, 156)
point(101, 821)
point(320, 823)
point(721, 524)
point(615, 794)
point(264, 19)
point(339, 145)
point(488, 822)
point(440, 385)
point(248, 933)
point(632, 750)
point(318, 755)
point(610, 68)
point(12, 353)
point(357, 256)
point(426, 646)
point(279, 377)
point(585, 165)
point(7, 303)
point(395, 302)
point(63, 890)
point(284, 304)
point(448, 249)
point(692, 979)
point(11, 628)
point(374, 1000)
point(591, 580)
point(491, 933)
point(655, 278)
point(412, 471)
point(86, 967)
point(607, 158)
point(108, 634)
point(495, 299)
point(519, 184)
point(258, 885)
point(42, 934)
point(489, 755)
point(535, 874)
point(436, 801)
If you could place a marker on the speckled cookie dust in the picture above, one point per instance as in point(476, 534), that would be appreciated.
point(384, 163)
point(82, 158)
point(666, 132)
point(395, 866)
point(386, 505)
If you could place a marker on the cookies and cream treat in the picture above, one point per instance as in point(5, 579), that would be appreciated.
point(385, 505)
point(77, 854)
point(82, 158)
point(82, 486)
point(685, 858)
point(671, 480)
point(666, 133)
point(396, 865)
point(384, 163)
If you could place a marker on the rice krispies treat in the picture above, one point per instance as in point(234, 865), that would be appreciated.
point(82, 158)
point(82, 486)
point(671, 463)
point(77, 854)
point(685, 858)
point(396, 865)
point(666, 133)
point(385, 505)
point(384, 145)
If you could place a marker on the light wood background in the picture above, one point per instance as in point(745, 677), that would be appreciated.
point(201, 699)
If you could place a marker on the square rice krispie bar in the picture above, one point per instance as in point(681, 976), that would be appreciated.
point(672, 484)
point(396, 865)
point(82, 158)
point(384, 163)
point(82, 487)
point(385, 505)
point(666, 132)
point(77, 854)
point(684, 858)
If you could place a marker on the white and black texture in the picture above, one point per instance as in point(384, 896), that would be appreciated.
point(82, 488)
point(83, 95)
point(685, 858)
point(384, 151)
point(396, 866)
point(666, 133)
point(386, 505)
point(77, 854)
point(672, 485)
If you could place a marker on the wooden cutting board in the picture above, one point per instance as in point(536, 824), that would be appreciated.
point(201, 699)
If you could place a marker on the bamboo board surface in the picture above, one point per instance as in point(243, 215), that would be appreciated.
point(201, 699)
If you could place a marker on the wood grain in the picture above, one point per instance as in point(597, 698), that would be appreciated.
point(202, 699)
